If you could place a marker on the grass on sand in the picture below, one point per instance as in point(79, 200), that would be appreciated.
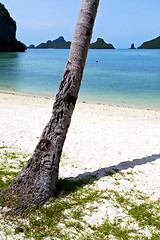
point(81, 210)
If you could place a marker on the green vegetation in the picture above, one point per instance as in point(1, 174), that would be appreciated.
point(71, 214)
point(100, 44)
point(58, 43)
point(152, 44)
point(11, 164)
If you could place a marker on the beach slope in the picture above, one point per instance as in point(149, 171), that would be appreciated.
point(102, 139)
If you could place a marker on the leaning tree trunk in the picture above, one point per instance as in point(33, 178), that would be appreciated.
point(37, 181)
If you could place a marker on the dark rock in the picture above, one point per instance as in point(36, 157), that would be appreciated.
point(8, 41)
point(19, 229)
point(31, 46)
point(2, 205)
point(132, 46)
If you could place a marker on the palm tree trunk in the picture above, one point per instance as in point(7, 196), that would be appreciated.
point(37, 181)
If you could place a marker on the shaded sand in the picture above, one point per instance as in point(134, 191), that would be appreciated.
point(101, 138)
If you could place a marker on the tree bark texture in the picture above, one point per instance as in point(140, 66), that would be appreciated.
point(37, 181)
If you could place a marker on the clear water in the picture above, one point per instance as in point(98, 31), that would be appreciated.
point(127, 77)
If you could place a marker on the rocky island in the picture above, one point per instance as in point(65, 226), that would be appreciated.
point(57, 43)
point(132, 46)
point(101, 44)
point(8, 41)
point(152, 44)
point(60, 43)
point(31, 46)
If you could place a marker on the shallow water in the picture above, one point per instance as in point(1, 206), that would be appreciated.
point(121, 76)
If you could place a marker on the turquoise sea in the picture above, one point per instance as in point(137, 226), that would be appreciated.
point(120, 76)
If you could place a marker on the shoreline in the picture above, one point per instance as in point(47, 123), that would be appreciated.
point(27, 94)
point(118, 104)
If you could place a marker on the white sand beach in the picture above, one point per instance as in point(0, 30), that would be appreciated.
point(101, 138)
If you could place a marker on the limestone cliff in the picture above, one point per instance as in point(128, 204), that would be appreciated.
point(8, 42)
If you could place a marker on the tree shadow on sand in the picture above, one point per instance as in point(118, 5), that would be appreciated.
point(68, 185)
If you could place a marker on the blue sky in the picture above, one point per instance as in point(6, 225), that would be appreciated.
point(120, 22)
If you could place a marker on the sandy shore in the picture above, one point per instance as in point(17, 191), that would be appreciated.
point(99, 135)
point(100, 138)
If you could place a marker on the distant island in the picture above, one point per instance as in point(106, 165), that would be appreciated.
point(60, 43)
point(57, 43)
point(31, 46)
point(101, 44)
point(152, 44)
point(8, 41)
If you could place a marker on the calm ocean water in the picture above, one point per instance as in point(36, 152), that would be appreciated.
point(126, 77)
